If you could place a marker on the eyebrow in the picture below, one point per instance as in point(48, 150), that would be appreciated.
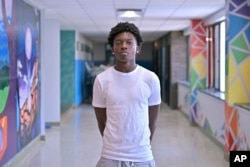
point(123, 40)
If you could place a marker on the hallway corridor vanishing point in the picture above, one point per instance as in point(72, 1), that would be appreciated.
point(77, 143)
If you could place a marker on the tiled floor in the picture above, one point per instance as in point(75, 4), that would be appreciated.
point(77, 143)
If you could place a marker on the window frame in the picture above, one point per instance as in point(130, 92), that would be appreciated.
point(216, 39)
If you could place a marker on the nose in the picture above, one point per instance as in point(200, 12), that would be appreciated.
point(124, 45)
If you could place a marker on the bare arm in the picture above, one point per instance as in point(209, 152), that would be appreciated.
point(153, 113)
point(101, 117)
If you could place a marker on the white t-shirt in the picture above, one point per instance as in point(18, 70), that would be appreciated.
point(126, 97)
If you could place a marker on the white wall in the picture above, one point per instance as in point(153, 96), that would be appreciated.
point(80, 55)
point(50, 72)
point(210, 112)
point(243, 128)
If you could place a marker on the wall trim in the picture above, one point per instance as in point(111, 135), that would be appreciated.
point(215, 18)
point(15, 161)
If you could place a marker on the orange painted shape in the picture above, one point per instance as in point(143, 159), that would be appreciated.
point(200, 29)
point(200, 44)
point(195, 23)
point(231, 122)
point(202, 37)
point(4, 138)
point(234, 121)
point(193, 39)
point(196, 51)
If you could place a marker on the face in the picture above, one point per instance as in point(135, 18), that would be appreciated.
point(125, 47)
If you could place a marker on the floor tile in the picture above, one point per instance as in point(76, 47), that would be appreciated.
point(77, 143)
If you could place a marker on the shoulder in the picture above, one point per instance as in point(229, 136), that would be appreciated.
point(147, 73)
point(104, 77)
point(105, 73)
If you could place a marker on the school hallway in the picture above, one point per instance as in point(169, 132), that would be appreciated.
point(77, 143)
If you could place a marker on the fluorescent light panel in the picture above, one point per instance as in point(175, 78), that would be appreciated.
point(129, 13)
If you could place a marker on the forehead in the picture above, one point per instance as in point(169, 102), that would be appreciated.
point(124, 36)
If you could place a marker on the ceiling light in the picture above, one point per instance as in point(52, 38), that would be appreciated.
point(129, 13)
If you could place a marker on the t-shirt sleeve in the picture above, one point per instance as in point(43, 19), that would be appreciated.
point(155, 97)
point(98, 99)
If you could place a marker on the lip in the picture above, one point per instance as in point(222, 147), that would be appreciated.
point(124, 53)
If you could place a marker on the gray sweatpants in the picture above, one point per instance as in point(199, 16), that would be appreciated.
point(103, 162)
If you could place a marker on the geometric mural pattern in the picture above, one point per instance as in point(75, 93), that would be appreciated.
point(243, 132)
point(198, 71)
point(238, 63)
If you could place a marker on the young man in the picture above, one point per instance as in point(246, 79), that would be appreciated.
point(126, 100)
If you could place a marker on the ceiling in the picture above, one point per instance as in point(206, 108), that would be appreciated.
point(94, 18)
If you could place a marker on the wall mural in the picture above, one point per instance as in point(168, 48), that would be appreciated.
point(197, 73)
point(19, 76)
point(238, 80)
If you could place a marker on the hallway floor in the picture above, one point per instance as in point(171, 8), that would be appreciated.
point(77, 143)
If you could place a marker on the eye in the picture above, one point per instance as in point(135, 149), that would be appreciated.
point(118, 42)
point(129, 42)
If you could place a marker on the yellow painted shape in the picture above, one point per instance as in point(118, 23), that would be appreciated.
point(199, 64)
point(232, 71)
point(244, 69)
point(237, 93)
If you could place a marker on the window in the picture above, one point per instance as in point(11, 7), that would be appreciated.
point(188, 61)
point(222, 56)
point(216, 39)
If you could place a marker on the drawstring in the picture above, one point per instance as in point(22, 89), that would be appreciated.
point(129, 164)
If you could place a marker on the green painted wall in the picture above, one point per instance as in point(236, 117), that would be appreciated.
point(67, 49)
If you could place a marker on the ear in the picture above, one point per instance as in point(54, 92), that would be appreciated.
point(138, 49)
point(112, 51)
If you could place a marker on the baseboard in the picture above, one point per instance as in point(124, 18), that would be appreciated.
point(52, 124)
point(226, 156)
point(24, 152)
point(42, 138)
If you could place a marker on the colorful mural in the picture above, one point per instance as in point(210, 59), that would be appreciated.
point(19, 76)
point(28, 44)
point(237, 74)
point(243, 132)
point(200, 112)
point(198, 69)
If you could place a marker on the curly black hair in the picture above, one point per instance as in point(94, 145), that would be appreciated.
point(125, 27)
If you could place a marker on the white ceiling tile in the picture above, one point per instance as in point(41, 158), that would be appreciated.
point(95, 18)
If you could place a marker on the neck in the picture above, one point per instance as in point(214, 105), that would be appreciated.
point(125, 67)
